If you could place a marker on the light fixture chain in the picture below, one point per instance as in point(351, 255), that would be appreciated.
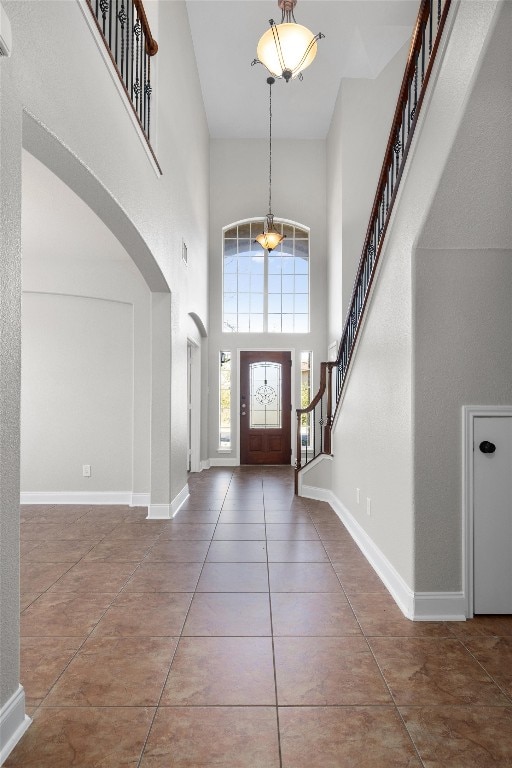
point(270, 150)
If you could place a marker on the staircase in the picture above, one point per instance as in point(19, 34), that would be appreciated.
point(315, 422)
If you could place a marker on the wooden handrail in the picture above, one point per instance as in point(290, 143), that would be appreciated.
point(151, 43)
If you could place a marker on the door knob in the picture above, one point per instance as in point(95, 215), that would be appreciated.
point(487, 447)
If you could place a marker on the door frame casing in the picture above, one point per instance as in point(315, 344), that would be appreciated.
point(291, 350)
point(469, 413)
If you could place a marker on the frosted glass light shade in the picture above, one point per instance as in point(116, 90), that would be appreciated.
point(269, 240)
point(294, 40)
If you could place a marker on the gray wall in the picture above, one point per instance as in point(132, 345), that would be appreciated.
point(463, 356)
point(355, 149)
point(10, 288)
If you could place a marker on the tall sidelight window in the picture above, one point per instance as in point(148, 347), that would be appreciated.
point(225, 400)
point(305, 397)
point(265, 292)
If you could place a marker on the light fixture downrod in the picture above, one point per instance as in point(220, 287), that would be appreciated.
point(270, 237)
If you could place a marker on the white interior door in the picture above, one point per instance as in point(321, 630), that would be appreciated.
point(492, 493)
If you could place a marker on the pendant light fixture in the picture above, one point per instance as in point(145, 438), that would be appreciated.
point(270, 237)
point(287, 48)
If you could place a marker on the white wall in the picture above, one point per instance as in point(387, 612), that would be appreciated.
point(355, 150)
point(72, 263)
point(463, 316)
point(77, 393)
point(239, 190)
point(164, 210)
point(76, 122)
point(463, 356)
point(398, 433)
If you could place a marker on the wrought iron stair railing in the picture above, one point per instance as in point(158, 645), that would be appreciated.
point(125, 30)
point(424, 45)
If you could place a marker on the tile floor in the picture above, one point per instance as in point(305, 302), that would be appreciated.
point(249, 631)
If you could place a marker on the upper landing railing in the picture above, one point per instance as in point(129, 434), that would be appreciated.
point(127, 36)
point(424, 44)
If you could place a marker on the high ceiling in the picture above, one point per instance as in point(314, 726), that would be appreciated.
point(361, 37)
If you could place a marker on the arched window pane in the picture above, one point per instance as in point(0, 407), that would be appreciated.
point(265, 292)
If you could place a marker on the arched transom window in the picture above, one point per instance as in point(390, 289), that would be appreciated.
point(265, 292)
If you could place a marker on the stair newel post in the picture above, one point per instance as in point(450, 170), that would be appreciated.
point(328, 426)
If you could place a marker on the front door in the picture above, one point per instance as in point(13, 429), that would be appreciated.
point(492, 514)
point(265, 407)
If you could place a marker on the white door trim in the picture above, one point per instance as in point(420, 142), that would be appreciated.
point(469, 413)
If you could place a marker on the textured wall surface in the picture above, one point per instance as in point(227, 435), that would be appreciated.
point(10, 288)
point(463, 332)
point(355, 150)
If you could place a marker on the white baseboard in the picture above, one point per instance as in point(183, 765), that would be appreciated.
point(227, 462)
point(77, 497)
point(439, 606)
point(418, 606)
point(205, 464)
point(312, 492)
point(13, 723)
point(140, 500)
point(180, 499)
point(168, 511)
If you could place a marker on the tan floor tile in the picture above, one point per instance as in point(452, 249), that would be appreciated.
point(204, 516)
point(425, 671)
point(230, 671)
point(43, 659)
point(495, 656)
point(461, 737)
point(343, 551)
point(178, 552)
point(228, 613)
point(84, 529)
point(27, 546)
point(95, 577)
point(75, 737)
point(237, 552)
point(240, 532)
point(227, 737)
point(357, 578)
point(233, 577)
point(60, 514)
point(277, 516)
point(290, 531)
point(164, 577)
point(149, 530)
point(344, 737)
point(483, 626)
point(314, 614)
point(244, 516)
point(109, 513)
point(119, 551)
point(334, 531)
point(296, 551)
point(69, 551)
point(37, 577)
point(181, 531)
point(303, 577)
point(153, 614)
point(114, 672)
point(27, 598)
point(327, 671)
point(65, 614)
point(378, 615)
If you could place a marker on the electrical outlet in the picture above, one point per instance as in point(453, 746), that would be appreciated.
point(368, 506)
point(86, 470)
point(358, 495)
